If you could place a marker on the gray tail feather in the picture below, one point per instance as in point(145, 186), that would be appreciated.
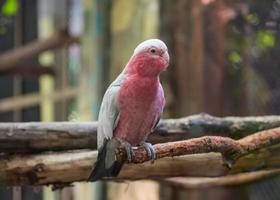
point(106, 164)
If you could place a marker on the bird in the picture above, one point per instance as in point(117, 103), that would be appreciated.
point(131, 108)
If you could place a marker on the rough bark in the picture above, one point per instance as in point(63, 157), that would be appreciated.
point(229, 148)
point(18, 56)
point(67, 167)
point(37, 136)
point(204, 124)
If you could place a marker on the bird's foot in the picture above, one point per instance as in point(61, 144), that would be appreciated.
point(150, 150)
point(128, 149)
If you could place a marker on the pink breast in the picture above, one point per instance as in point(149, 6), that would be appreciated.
point(140, 102)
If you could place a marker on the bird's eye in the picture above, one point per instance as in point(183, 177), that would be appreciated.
point(153, 50)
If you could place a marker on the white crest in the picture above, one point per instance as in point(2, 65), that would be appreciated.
point(143, 46)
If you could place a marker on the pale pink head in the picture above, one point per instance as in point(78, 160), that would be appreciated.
point(149, 58)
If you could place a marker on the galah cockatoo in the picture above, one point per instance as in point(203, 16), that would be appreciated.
point(131, 107)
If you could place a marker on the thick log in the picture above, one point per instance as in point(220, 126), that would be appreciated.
point(205, 124)
point(55, 168)
point(37, 136)
point(67, 167)
point(18, 56)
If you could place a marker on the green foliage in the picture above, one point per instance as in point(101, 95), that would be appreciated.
point(235, 58)
point(3, 30)
point(9, 8)
point(265, 40)
point(253, 19)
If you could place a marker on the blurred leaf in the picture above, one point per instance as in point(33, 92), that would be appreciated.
point(253, 19)
point(9, 8)
point(265, 40)
point(235, 58)
point(3, 30)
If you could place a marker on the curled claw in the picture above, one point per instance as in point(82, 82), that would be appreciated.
point(150, 150)
point(129, 150)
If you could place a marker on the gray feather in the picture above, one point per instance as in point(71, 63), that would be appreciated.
point(109, 112)
point(107, 164)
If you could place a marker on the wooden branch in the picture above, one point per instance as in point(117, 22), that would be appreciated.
point(75, 166)
point(67, 167)
point(19, 55)
point(37, 136)
point(229, 148)
point(20, 102)
point(45, 168)
point(205, 124)
point(229, 180)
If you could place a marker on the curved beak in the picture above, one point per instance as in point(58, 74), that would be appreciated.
point(165, 55)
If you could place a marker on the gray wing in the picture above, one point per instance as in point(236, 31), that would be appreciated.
point(109, 112)
point(157, 119)
point(156, 123)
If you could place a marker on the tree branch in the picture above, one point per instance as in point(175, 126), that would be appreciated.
point(205, 124)
point(67, 167)
point(229, 148)
point(37, 136)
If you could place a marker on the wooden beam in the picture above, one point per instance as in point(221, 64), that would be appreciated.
point(67, 167)
point(22, 54)
point(29, 70)
point(20, 102)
